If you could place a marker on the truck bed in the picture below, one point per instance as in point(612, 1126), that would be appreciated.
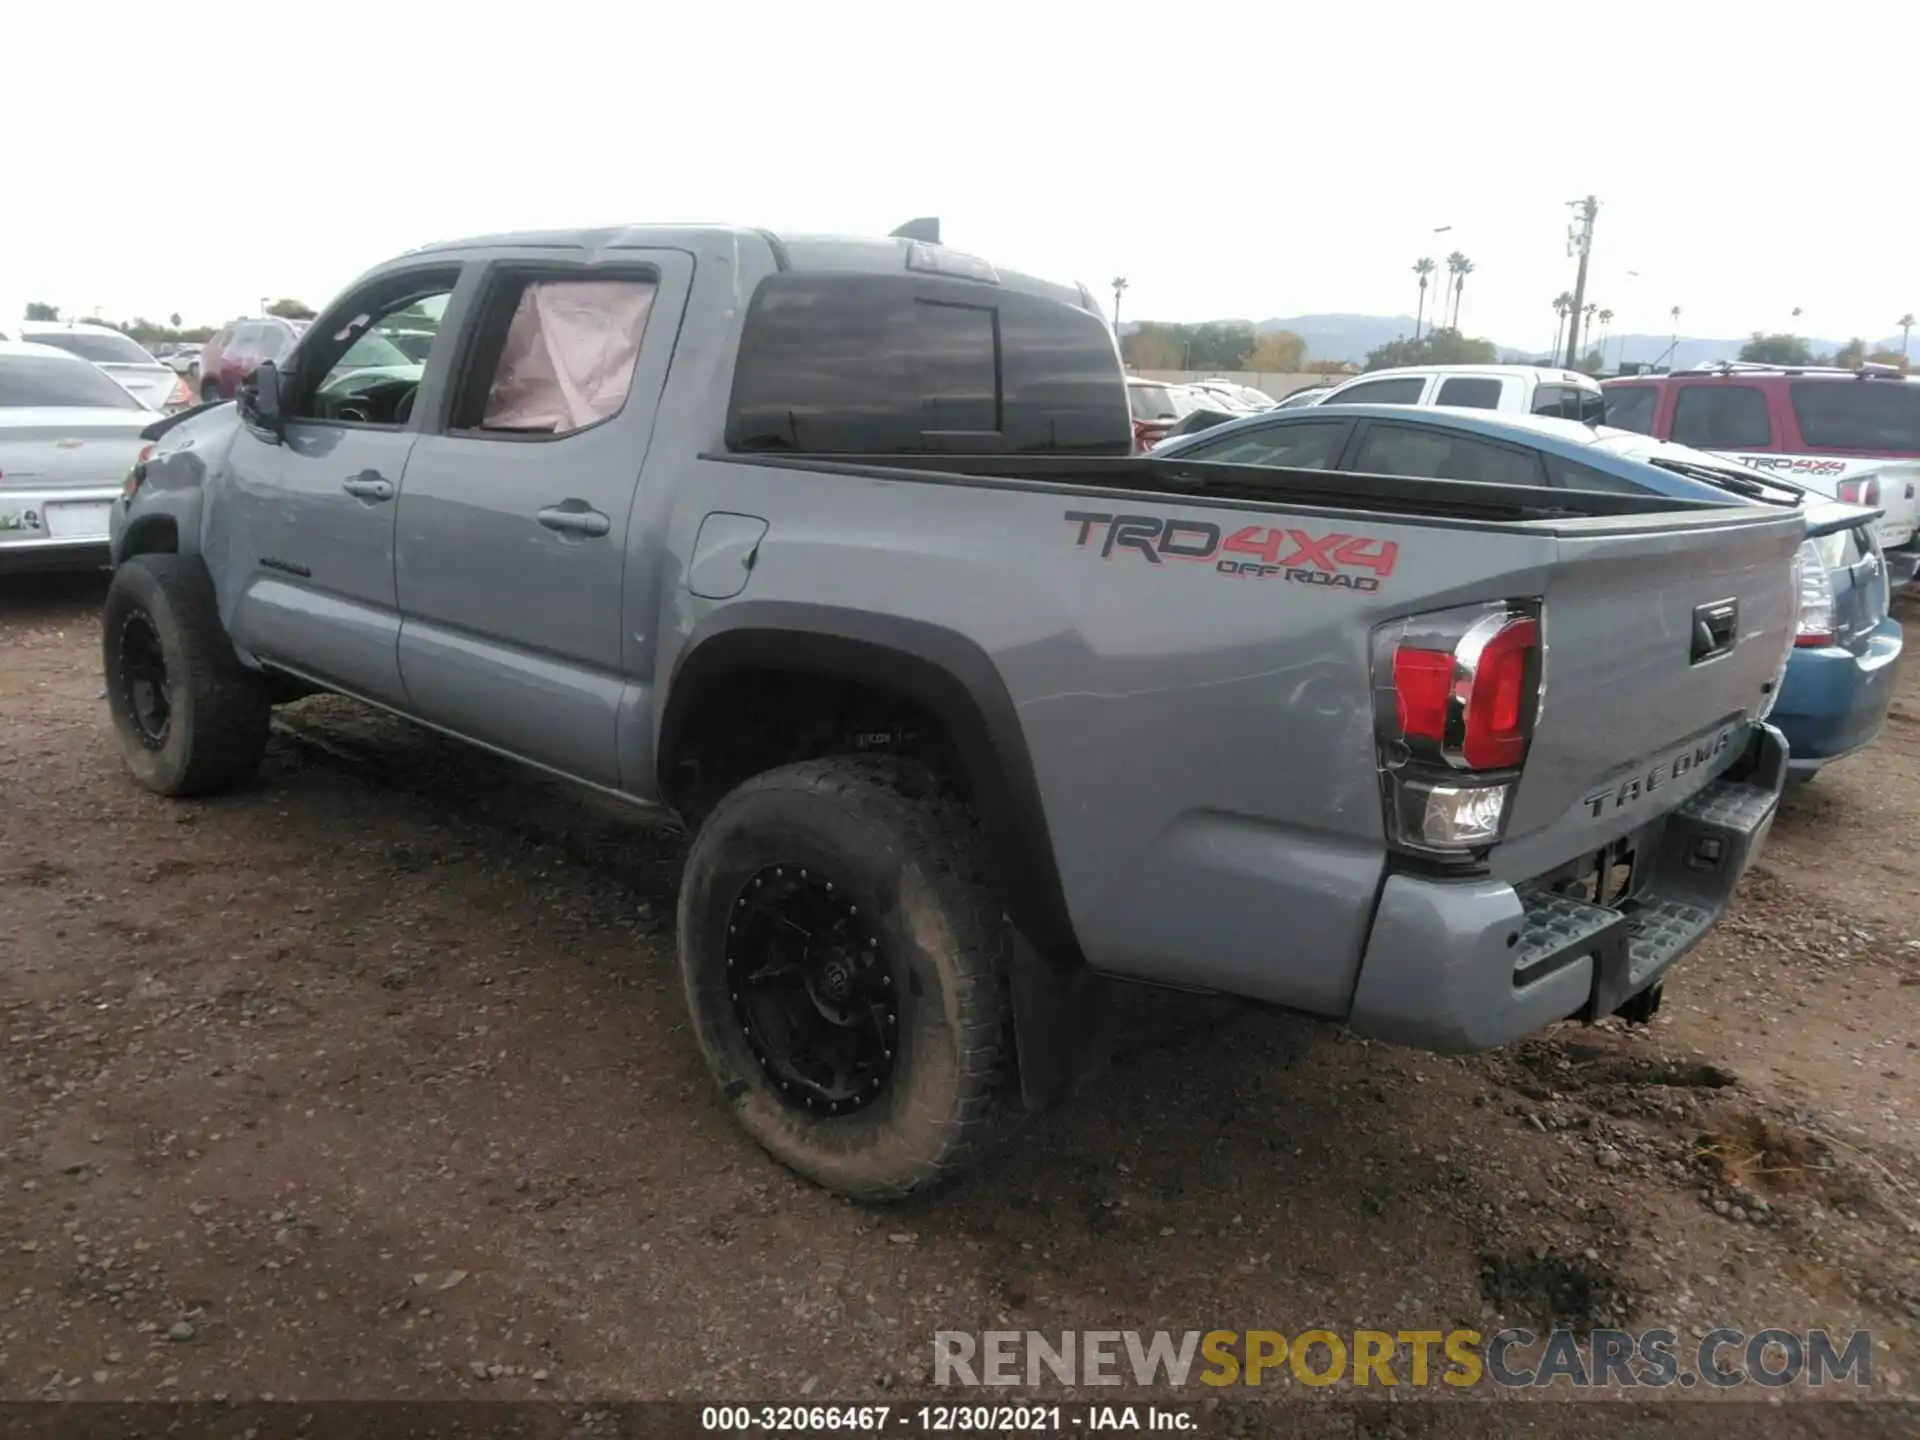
point(1256, 485)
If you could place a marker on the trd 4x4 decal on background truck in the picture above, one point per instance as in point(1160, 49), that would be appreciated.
point(1261, 551)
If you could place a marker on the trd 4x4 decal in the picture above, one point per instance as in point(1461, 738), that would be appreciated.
point(1263, 552)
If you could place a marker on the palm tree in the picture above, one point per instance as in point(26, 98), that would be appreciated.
point(1606, 324)
point(1562, 307)
point(1119, 289)
point(1461, 267)
point(1905, 322)
point(1422, 267)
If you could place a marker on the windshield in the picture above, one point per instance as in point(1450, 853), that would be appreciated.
point(369, 350)
point(1152, 402)
point(100, 348)
point(27, 381)
point(1881, 416)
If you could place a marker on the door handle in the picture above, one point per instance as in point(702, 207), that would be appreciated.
point(368, 485)
point(573, 517)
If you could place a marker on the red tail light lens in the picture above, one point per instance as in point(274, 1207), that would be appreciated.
point(1421, 682)
point(1860, 492)
point(1498, 696)
point(1457, 692)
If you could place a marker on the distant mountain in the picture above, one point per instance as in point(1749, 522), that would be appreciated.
point(1343, 337)
point(1350, 337)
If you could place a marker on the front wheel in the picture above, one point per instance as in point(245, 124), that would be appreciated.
point(843, 960)
point(191, 719)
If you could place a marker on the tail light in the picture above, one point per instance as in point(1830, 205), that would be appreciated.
point(1816, 598)
point(137, 475)
point(179, 397)
point(1456, 694)
point(1148, 433)
point(1860, 492)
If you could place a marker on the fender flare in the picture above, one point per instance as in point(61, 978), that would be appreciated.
point(938, 669)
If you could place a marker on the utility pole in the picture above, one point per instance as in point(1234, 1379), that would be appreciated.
point(1580, 242)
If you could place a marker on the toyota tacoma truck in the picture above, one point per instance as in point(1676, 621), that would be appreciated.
point(834, 550)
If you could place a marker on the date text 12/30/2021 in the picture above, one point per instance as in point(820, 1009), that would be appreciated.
point(944, 1419)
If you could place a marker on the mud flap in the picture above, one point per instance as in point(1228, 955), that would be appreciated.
point(1061, 1013)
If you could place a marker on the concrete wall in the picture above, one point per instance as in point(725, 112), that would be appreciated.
point(1278, 384)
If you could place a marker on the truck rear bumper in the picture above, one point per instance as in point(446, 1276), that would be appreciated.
point(1469, 965)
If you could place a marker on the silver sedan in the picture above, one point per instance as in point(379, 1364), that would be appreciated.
point(68, 437)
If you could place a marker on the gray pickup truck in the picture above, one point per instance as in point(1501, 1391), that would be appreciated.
point(835, 550)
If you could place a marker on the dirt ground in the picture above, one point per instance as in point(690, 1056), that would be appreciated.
point(373, 1081)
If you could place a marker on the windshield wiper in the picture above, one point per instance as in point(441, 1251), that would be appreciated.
point(1754, 487)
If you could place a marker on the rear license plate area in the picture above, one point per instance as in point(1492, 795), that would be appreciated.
point(76, 521)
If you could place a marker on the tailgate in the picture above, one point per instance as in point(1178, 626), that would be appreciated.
point(1661, 640)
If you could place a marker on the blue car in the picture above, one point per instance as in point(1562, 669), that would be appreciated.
point(1840, 678)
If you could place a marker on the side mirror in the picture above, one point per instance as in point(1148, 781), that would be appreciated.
point(259, 400)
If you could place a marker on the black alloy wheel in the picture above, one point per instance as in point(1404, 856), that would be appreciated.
point(146, 692)
point(811, 990)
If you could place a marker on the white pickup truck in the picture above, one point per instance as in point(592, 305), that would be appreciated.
point(1527, 389)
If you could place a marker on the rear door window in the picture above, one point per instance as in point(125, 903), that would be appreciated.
point(1721, 417)
point(1568, 402)
point(1474, 392)
point(1305, 445)
point(1401, 390)
point(1879, 416)
point(31, 381)
point(1631, 407)
point(1442, 455)
point(99, 348)
point(854, 364)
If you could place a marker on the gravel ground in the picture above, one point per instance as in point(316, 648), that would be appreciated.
point(372, 1081)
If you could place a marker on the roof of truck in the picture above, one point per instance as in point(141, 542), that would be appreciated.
point(793, 250)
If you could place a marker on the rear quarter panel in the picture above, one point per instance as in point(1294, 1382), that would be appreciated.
point(1203, 743)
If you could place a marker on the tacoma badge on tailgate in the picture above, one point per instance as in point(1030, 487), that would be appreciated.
point(1647, 781)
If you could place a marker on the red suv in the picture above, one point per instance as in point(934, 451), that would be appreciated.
point(236, 352)
point(1853, 435)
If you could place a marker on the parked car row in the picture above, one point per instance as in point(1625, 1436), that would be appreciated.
point(1839, 680)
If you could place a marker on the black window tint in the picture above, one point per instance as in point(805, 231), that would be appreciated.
point(1309, 445)
point(960, 359)
point(1721, 417)
point(1404, 390)
point(27, 381)
point(1576, 476)
point(855, 364)
point(1568, 402)
point(1878, 415)
point(1442, 455)
point(1474, 391)
point(1631, 407)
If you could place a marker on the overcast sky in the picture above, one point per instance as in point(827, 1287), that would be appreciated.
point(1232, 159)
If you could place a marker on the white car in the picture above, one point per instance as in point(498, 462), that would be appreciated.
point(153, 384)
point(68, 437)
point(1525, 389)
point(1244, 397)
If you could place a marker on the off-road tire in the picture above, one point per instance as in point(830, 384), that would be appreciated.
point(910, 853)
point(209, 389)
point(216, 726)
